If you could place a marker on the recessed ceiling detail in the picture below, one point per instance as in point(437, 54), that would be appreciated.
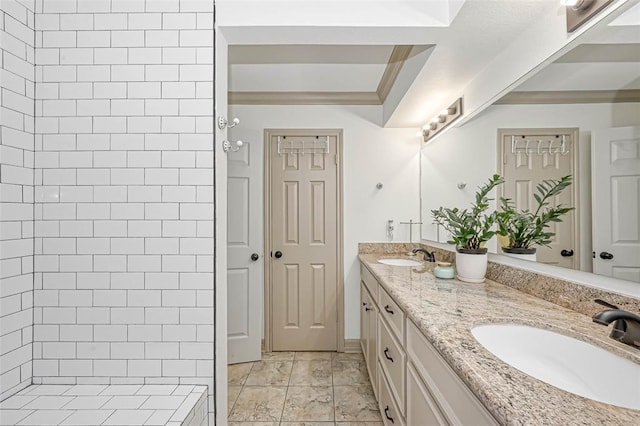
point(602, 52)
point(315, 75)
point(589, 73)
point(570, 97)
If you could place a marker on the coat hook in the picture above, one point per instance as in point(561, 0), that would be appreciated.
point(223, 122)
point(228, 145)
point(379, 185)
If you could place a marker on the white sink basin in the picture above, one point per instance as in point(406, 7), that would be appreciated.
point(564, 362)
point(400, 262)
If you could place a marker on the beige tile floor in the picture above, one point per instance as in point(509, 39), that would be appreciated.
point(302, 389)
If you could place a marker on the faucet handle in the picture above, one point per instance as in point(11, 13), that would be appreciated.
point(605, 303)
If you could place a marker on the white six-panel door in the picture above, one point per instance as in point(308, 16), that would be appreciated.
point(245, 257)
point(304, 244)
point(616, 202)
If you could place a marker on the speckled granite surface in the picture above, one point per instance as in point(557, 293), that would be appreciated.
point(445, 311)
point(555, 290)
point(576, 297)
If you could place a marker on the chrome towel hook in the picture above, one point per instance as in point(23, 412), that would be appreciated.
point(223, 122)
point(228, 145)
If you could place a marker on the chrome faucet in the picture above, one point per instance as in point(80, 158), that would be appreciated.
point(428, 256)
point(626, 325)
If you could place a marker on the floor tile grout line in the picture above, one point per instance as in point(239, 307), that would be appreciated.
point(289, 385)
point(286, 394)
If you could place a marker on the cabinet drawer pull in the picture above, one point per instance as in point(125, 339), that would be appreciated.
point(386, 414)
point(386, 308)
point(368, 309)
point(386, 354)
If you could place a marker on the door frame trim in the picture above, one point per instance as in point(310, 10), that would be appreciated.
point(575, 171)
point(268, 133)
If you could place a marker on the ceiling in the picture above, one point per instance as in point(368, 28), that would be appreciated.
point(605, 69)
point(328, 74)
point(412, 69)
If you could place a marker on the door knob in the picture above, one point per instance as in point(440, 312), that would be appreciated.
point(278, 254)
point(255, 256)
point(606, 256)
point(566, 253)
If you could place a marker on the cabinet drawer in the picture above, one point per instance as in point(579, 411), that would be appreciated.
point(392, 313)
point(388, 409)
point(370, 282)
point(421, 408)
point(456, 402)
point(393, 361)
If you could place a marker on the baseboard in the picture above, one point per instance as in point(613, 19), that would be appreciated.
point(352, 346)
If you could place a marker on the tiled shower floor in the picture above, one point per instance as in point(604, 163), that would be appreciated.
point(302, 388)
point(102, 405)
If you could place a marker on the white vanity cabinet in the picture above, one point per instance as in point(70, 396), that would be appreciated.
point(414, 385)
point(369, 324)
point(369, 334)
point(439, 387)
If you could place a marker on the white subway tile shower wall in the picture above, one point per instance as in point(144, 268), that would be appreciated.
point(17, 38)
point(124, 192)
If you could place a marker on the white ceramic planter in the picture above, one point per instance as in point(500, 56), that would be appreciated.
point(530, 257)
point(471, 268)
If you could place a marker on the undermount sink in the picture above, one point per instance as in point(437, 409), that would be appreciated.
point(399, 262)
point(564, 362)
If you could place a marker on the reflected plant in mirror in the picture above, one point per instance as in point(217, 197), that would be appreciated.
point(522, 230)
point(590, 91)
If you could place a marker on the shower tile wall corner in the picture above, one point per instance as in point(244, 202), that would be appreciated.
point(123, 282)
point(17, 38)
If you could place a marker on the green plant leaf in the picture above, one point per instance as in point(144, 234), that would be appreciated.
point(525, 228)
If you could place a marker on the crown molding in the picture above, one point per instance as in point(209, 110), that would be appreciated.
point(602, 52)
point(304, 98)
point(396, 61)
point(570, 97)
point(398, 56)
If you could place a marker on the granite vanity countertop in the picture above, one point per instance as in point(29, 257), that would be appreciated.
point(446, 310)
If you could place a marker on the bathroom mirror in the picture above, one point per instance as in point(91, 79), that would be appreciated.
point(592, 90)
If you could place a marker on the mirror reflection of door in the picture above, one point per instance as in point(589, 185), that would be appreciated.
point(616, 216)
point(529, 156)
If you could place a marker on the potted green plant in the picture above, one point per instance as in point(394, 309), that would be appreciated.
point(470, 229)
point(522, 230)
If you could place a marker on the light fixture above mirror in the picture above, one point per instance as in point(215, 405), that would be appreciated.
point(580, 11)
point(442, 120)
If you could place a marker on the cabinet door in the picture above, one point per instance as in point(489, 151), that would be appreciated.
point(372, 348)
point(364, 321)
point(421, 408)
